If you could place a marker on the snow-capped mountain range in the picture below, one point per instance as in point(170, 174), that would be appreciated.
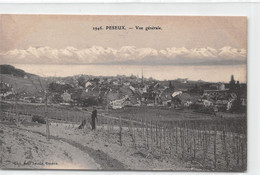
point(125, 55)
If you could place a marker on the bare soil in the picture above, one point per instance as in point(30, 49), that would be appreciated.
point(26, 147)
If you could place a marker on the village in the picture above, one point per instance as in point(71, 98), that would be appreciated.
point(122, 91)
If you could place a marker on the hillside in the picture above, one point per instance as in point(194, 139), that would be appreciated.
point(23, 84)
point(21, 80)
point(11, 70)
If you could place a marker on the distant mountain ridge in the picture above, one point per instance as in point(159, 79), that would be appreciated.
point(126, 55)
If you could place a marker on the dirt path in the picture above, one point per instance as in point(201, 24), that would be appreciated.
point(99, 156)
point(25, 149)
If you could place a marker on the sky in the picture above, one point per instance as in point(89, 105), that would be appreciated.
point(60, 31)
point(70, 39)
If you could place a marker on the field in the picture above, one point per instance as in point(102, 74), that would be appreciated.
point(148, 138)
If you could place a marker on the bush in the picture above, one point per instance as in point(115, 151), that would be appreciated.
point(38, 119)
point(92, 101)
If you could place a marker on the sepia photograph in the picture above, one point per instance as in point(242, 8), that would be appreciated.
point(123, 92)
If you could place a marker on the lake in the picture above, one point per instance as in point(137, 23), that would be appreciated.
point(205, 73)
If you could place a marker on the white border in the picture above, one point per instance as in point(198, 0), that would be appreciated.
point(251, 10)
point(125, 1)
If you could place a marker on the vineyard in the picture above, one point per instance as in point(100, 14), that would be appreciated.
point(208, 144)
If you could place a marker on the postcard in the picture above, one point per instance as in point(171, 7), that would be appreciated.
point(122, 92)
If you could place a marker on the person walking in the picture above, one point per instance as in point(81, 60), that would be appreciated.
point(93, 118)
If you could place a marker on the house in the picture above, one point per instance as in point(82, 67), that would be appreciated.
point(176, 93)
point(166, 100)
point(207, 103)
point(91, 92)
point(126, 83)
point(143, 89)
point(127, 102)
point(156, 85)
point(123, 97)
point(39, 100)
point(221, 87)
point(215, 93)
point(187, 104)
point(221, 104)
point(182, 80)
point(101, 80)
point(243, 99)
point(118, 103)
point(66, 97)
point(87, 84)
point(125, 90)
point(61, 82)
point(184, 90)
point(229, 104)
point(28, 99)
point(166, 97)
point(5, 94)
point(156, 99)
point(111, 96)
point(183, 99)
point(132, 88)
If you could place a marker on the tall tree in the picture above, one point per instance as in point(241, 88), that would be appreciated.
point(81, 81)
point(171, 85)
point(232, 84)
